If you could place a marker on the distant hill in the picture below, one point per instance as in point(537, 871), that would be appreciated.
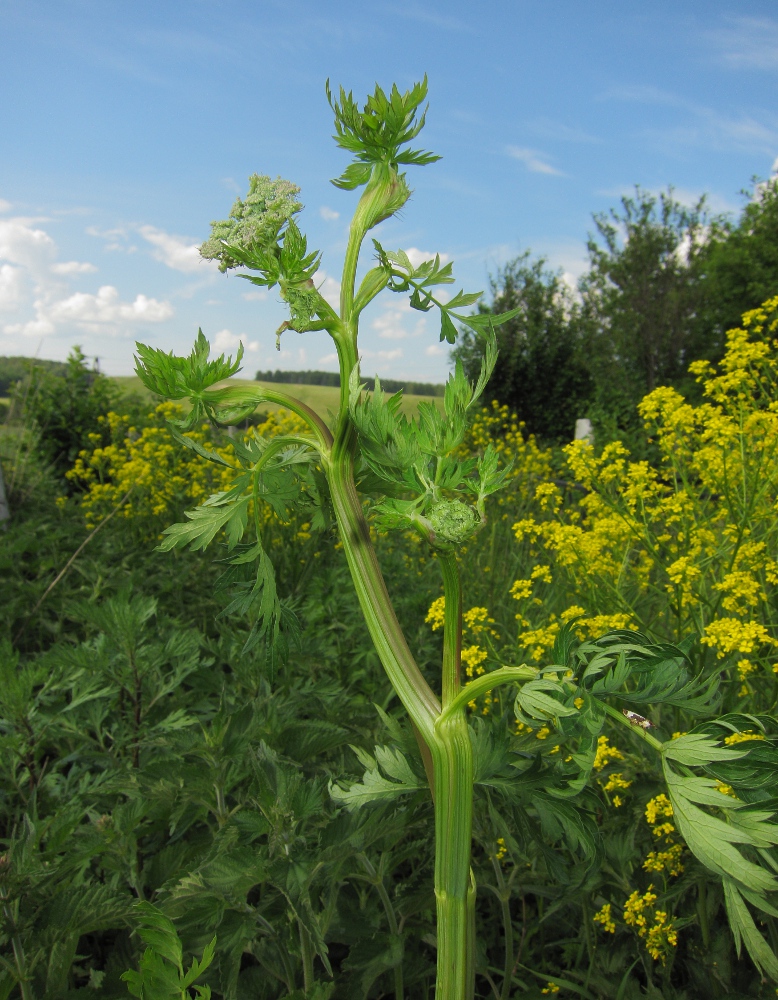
point(333, 379)
point(15, 368)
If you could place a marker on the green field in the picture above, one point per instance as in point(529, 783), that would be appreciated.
point(322, 398)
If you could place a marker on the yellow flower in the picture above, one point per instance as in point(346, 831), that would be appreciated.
point(605, 753)
point(436, 615)
point(603, 916)
point(668, 860)
point(473, 657)
point(659, 806)
point(743, 737)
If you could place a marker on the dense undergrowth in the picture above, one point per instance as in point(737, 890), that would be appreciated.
point(145, 754)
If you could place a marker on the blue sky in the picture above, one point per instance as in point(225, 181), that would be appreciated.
point(126, 128)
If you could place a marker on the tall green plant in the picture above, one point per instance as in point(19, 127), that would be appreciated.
point(411, 477)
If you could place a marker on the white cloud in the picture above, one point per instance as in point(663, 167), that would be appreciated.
point(329, 288)
point(10, 286)
point(256, 295)
point(5, 206)
point(329, 214)
point(328, 359)
point(226, 342)
point(40, 327)
point(435, 351)
point(21, 244)
point(73, 267)
point(398, 320)
point(416, 256)
point(104, 309)
point(533, 160)
point(175, 252)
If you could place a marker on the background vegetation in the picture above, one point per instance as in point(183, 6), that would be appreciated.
point(147, 754)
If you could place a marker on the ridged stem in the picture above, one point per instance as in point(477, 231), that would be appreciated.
point(452, 755)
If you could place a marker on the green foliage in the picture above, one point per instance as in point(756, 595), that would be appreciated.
point(642, 296)
point(177, 793)
point(161, 973)
point(542, 374)
point(62, 407)
point(376, 134)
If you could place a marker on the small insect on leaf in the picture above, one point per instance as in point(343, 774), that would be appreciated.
point(637, 720)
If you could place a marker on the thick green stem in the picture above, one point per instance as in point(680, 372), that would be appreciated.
point(408, 681)
point(452, 755)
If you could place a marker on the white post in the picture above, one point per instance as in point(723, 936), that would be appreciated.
point(584, 430)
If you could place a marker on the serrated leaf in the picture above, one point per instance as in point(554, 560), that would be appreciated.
point(158, 931)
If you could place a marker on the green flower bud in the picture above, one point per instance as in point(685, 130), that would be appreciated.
point(257, 220)
point(452, 520)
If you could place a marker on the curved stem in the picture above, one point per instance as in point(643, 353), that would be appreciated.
point(408, 681)
point(487, 682)
point(236, 396)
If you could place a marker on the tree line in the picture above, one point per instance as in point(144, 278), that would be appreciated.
point(333, 379)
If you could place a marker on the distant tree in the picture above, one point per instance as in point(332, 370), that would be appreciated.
point(64, 405)
point(539, 373)
point(642, 301)
point(741, 261)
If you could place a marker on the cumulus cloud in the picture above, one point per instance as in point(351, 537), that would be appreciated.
point(416, 256)
point(435, 351)
point(226, 342)
point(116, 238)
point(5, 206)
point(398, 320)
point(176, 252)
point(10, 286)
point(21, 244)
point(35, 286)
point(329, 214)
point(73, 267)
point(534, 161)
point(329, 288)
point(106, 308)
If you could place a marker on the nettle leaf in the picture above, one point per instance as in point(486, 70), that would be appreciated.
point(158, 931)
point(374, 787)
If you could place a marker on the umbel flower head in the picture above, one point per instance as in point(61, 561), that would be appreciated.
point(255, 221)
